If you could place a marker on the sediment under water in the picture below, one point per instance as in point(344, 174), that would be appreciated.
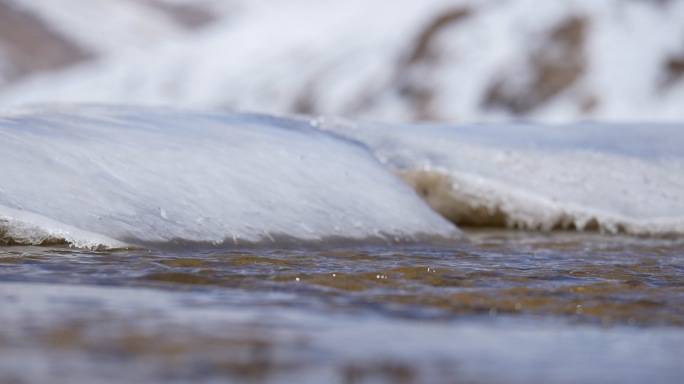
point(501, 307)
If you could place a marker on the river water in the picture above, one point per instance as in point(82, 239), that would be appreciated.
point(501, 307)
point(160, 245)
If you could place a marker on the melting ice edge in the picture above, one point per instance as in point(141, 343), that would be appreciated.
point(117, 176)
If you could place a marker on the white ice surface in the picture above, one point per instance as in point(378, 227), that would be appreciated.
point(627, 178)
point(160, 176)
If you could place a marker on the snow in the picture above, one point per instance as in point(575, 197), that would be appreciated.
point(345, 58)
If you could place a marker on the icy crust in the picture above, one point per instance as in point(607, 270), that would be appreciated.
point(467, 201)
point(26, 228)
point(611, 178)
point(113, 176)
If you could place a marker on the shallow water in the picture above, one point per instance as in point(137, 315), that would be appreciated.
point(265, 249)
point(503, 306)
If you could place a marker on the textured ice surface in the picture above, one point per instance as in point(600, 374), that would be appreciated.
point(141, 176)
point(611, 177)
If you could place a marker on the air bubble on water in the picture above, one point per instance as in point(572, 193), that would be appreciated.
point(492, 312)
point(334, 275)
point(518, 306)
point(579, 310)
point(297, 279)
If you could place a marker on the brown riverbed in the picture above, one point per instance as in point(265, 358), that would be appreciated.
point(501, 307)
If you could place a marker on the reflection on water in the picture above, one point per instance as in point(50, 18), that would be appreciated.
point(411, 314)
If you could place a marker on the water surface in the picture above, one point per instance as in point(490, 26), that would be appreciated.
point(500, 307)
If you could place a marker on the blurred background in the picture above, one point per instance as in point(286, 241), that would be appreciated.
point(381, 60)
